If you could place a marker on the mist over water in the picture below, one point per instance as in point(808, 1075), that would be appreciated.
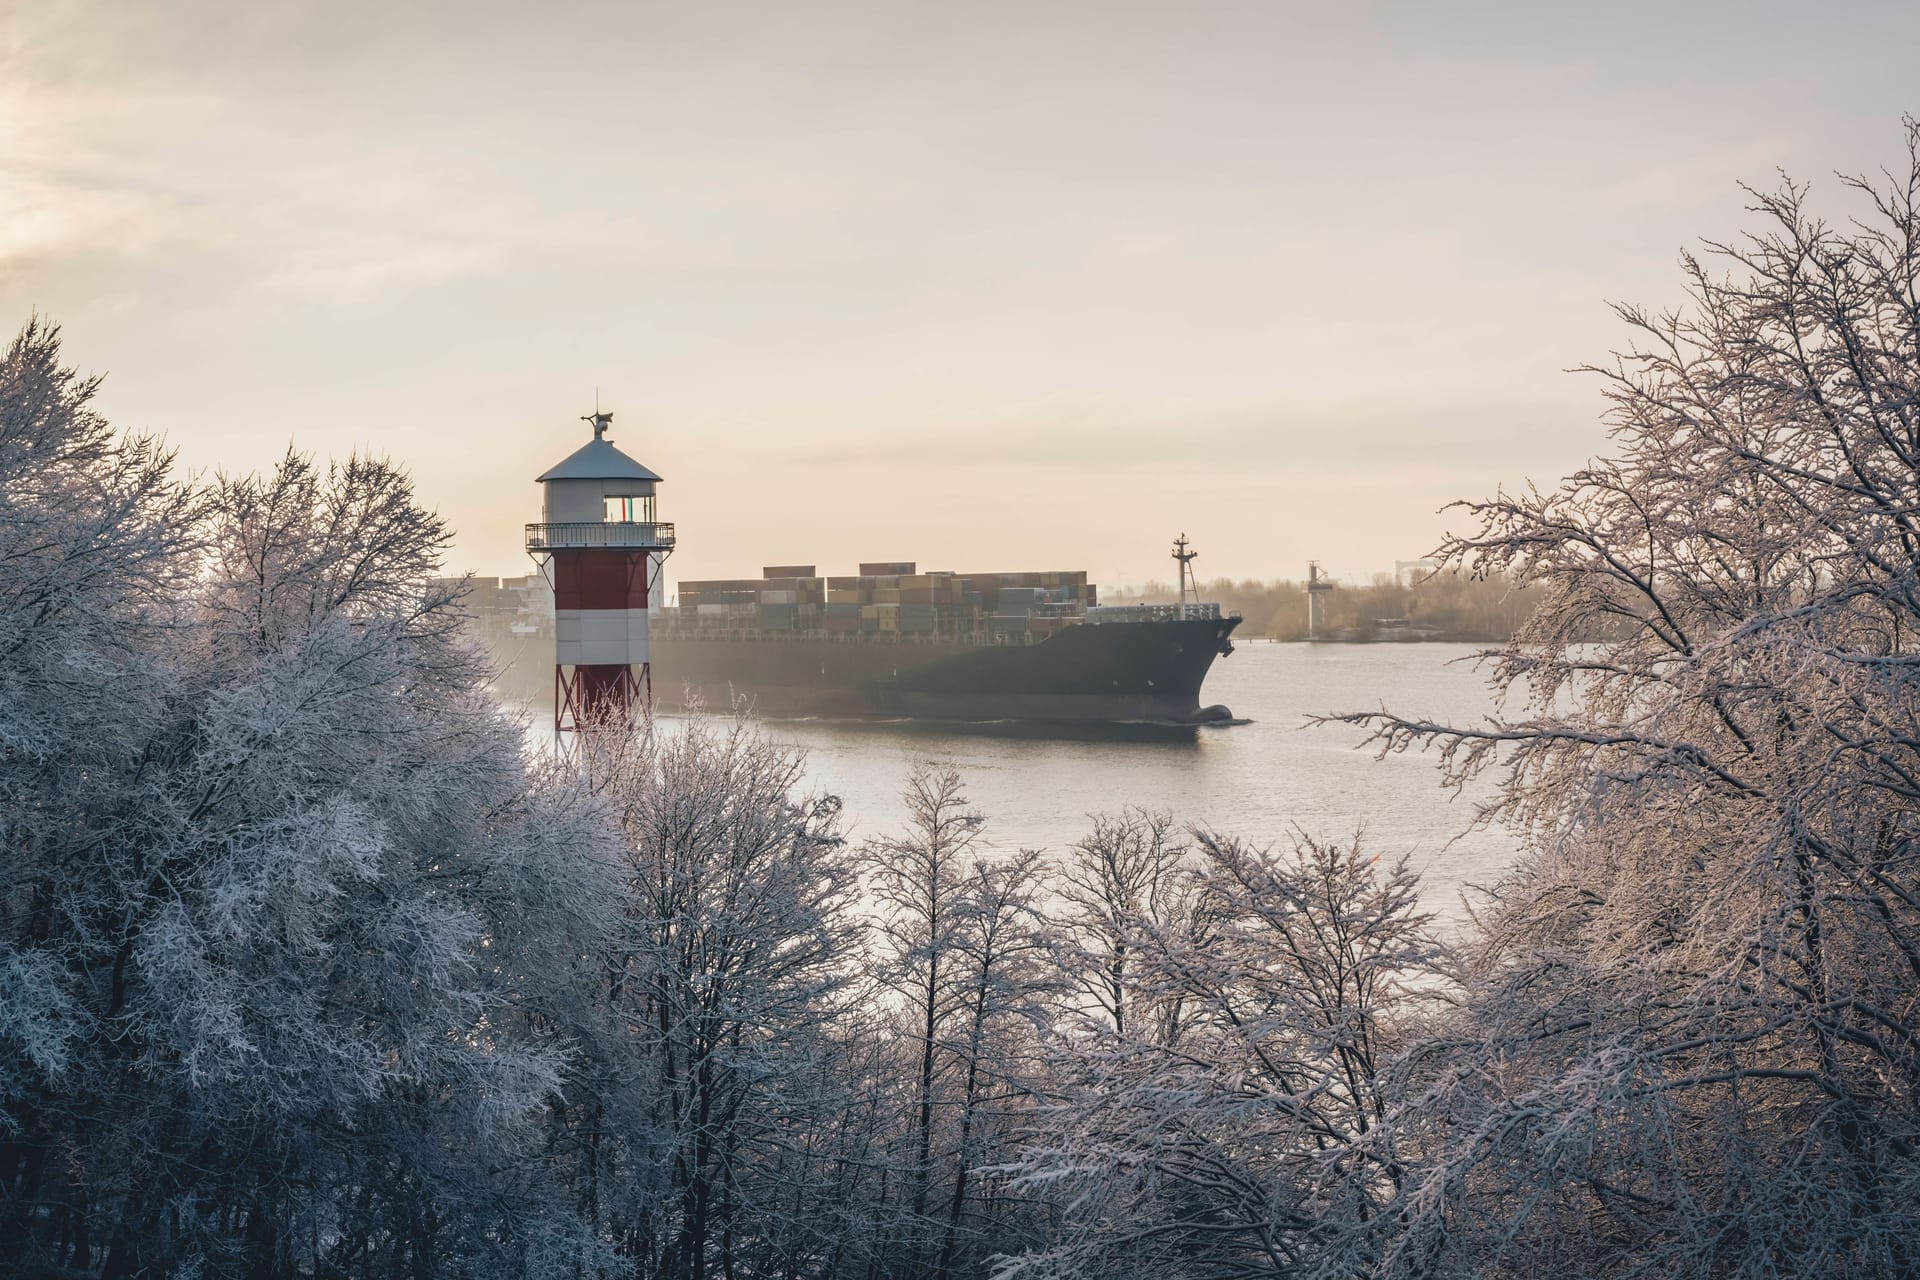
point(1255, 780)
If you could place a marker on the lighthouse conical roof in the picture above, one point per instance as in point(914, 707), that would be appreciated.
point(597, 459)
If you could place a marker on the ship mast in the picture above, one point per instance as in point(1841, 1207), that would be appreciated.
point(1184, 556)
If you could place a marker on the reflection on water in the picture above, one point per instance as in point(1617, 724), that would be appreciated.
point(1259, 780)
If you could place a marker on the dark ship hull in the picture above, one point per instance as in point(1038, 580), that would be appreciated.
point(1111, 672)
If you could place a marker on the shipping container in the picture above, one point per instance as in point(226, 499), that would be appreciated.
point(889, 598)
point(1018, 599)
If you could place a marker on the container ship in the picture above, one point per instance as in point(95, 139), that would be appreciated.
point(895, 643)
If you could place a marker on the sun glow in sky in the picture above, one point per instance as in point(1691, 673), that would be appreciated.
point(982, 285)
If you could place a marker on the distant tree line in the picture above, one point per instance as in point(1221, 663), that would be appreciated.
point(310, 968)
point(1452, 603)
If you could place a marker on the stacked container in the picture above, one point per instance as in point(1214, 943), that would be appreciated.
point(888, 600)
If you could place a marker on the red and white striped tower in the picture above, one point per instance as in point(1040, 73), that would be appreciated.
point(602, 549)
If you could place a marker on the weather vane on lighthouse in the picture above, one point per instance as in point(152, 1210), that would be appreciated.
point(598, 420)
point(601, 547)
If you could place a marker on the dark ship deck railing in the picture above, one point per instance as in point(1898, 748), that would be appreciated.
point(599, 533)
point(1156, 613)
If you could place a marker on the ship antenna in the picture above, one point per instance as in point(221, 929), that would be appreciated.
point(1184, 556)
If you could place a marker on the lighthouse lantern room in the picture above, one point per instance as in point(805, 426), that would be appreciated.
point(601, 549)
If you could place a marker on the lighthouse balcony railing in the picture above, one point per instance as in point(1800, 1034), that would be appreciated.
point(598, 533)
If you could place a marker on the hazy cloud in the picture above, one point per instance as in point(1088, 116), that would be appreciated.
point(856, 274)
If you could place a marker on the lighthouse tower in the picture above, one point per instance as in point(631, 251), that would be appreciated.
point(601, 549)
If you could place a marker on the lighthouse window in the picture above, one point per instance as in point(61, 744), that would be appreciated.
point(626, 510)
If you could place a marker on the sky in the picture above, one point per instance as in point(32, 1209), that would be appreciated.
point(982, 285)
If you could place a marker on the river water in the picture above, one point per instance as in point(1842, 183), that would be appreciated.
point(1257, 780)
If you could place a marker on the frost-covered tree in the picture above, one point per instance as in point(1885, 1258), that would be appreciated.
point(97, 540)
point(1254, 1141)
point(1692, 1043)
point(1003, 979)
point(1123, 879)
point(917, 881)
point(724, 986)
point(960, 988)
point(285, 899)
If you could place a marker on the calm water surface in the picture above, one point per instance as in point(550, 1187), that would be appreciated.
point(1256, 780)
